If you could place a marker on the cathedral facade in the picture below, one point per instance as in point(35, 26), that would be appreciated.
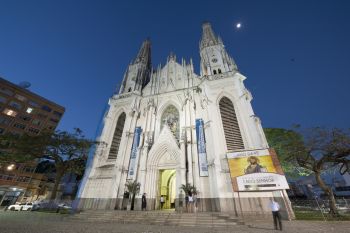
point(169, 126)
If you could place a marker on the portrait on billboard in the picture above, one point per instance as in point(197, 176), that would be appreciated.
point(254, 166)
point(243, 163)
point(255, 170)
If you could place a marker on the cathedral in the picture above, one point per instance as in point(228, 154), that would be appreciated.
point(168, 126)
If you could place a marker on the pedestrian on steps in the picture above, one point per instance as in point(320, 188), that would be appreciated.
point(143, 202)
point(275, 208)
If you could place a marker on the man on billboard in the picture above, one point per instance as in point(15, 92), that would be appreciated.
point(254, 166)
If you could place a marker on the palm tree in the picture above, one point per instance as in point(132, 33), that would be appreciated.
point(133, 188)
point(188, 188)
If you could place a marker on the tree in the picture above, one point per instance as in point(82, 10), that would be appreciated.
point(281, 140)
point(69, 151)
point(188, 188)
point(318, 151)
point(22, 148)
point(133, 188)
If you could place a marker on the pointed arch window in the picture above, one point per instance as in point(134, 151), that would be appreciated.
point(118, 133)
point(171, 118)
point(230, 124)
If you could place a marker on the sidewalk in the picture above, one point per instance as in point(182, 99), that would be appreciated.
point(33, 222)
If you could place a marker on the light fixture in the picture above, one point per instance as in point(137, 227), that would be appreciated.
point(10, 167)
point(29, 110)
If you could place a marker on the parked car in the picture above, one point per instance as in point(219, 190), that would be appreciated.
point(64, 207)
point(22, 206)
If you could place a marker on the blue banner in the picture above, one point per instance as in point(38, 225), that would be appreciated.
point(134, 150)
point(202, 153)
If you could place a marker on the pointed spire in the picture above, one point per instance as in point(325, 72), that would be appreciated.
point(144, 54)
point(208, 36)
point(171, 57)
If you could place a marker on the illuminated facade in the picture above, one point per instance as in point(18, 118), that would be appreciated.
point(169, 126)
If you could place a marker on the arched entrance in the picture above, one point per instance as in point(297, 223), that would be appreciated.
point(167, 188)
point(164, 171)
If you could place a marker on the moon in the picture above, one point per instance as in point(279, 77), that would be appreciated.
point(238, 25)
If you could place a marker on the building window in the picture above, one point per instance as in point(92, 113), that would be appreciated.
point(219, 71)
point(4, 120)
point(214, 71)
point(25, 118)
point(6, 91)
point(46, 108)
point(118, 133)
point(3, 99)
point(29, 110)
point(36, 122)
point(34, 104)
point(10, 112)
point(230, 124)
point(34, 131)
point(19, 126)
point(15, 105)
point(21, 98)
point(42, 116)
point(54, 120)
point(170, 117)
point(50, 127)
point(57, 113)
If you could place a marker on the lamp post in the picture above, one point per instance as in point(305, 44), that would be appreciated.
point(8, 168)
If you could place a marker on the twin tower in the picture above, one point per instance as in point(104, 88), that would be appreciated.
point(169, 127)
point(214, 60)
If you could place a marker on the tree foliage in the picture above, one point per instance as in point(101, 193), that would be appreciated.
point(69, 151)
point(133, 188)
point(286, 142)
point(21, 148)
point(188, 188)
point(316, 150)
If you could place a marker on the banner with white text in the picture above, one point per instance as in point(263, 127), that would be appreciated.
point(202, 153)
point(134, 152)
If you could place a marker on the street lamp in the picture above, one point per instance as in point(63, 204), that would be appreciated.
point(10, 167)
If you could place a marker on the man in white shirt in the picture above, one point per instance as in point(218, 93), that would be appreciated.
point(162, 201)
point(275, 208)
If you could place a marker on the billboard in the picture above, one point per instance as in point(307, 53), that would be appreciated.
point(254, 170)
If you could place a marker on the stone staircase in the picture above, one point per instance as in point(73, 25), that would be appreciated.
point(167, 218)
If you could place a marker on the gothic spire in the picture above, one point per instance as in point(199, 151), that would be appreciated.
point(208, 36)
point(139, 71)
point(144, 54)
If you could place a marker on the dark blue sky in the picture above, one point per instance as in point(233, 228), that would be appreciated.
point(296, 54)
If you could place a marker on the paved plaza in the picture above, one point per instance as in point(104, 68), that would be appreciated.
point(34, 222)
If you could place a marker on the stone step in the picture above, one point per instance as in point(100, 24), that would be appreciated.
point(159, 218)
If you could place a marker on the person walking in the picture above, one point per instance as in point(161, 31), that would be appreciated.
point(190, 202)
point(143, 202)
point(275, 208)
point(181, 201)
point(195, 202)
point(162, 201)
